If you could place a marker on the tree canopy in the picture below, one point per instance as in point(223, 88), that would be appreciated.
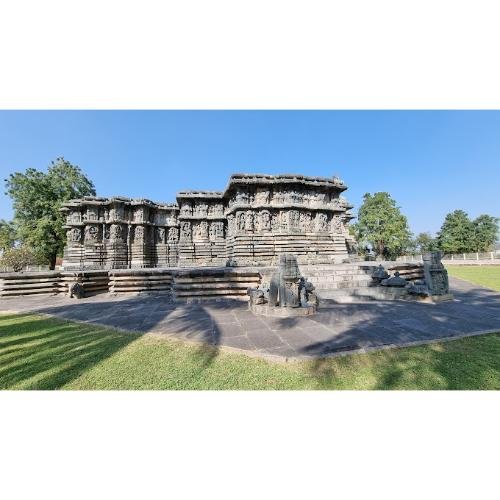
point(381, 223)
point(425, 243)
point(37, 198)
point(457, 233)
point(7, 235)
point(485, 232)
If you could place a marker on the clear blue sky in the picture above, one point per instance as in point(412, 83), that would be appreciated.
point(431, 162)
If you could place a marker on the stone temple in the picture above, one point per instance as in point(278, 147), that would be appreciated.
point(252, 222)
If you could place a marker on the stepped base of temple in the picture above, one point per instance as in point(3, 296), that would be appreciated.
point(362, 294)
point(341, 282)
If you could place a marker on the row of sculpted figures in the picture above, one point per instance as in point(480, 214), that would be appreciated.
point(285, 221)
point(277, 196)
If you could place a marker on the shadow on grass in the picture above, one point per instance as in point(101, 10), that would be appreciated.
point(40, 353)
point(471, 363)
point(48, 353)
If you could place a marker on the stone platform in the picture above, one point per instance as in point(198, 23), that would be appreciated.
point(281, 312)
point(334, 329)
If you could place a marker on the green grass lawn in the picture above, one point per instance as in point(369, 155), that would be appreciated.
point(41, 353)
point(488, 276)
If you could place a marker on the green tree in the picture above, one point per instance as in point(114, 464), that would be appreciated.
point(381, 223)
point(485, 232)
point(18, 258)
point(457, 233)
point(7, 235)
point(37, 198)
point(425, 243)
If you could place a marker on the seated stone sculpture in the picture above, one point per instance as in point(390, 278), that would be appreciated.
point(417, 287)
point(76, 290)
point(380, 274)
point(395, 280)
point(307, 295)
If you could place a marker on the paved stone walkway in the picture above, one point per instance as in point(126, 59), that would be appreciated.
point(336, 328)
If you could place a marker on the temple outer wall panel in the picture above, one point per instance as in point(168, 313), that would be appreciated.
point(257, 218)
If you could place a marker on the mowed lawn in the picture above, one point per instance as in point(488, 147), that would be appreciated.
point(488, 276)
point(46, 353)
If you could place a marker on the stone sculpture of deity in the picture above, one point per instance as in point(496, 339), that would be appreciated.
point(185, 230)
point(265, 220)
point(262, 196)
point(240, 217)
point(230, 224)
point(249, 221)
point(294, 219)
point(116, 232)
point(202, 230)
point(160, 235)
point(186, 208)
point(216, 230)
point(173, 235)
point(92, 233)
point(139, 234)
point(74, 235)
point(337, 225)
point(321, 222)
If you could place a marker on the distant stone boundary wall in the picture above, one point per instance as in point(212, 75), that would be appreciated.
point(468, 262)
point(477, 258)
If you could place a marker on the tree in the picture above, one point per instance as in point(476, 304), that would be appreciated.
point(37, 199)
point(485, 232)
point(7, 235)
point(18, 258)
point(425, 243)
point(381, 223)
point(457, 233)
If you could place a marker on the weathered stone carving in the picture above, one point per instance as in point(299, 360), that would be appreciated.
point(76, 290)
point(395, 280)
point(264, 214)
point(186, 208)
point(139, 234)
point(92, 214)
point(200, 209)
point(262, 196)
point(216, 230)
point(294, 219)
point(116, 232)
point(185, 230)
point(380, 274)
point(249, 221)
point(417, 287)
point(435, 274)
point(201, 230)
point(92, 233)
point(337, 226)
point(321, 222)
point(160, 235)
point(231, 224)
point(287, 289)
point(173, 235)
point(74, 235)
point(264, 220)
point(240, 217)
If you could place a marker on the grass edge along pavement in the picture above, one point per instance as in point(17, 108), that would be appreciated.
point(485, 276)
point(39, 352)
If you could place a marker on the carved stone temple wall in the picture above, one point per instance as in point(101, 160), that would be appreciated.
point(256, 219)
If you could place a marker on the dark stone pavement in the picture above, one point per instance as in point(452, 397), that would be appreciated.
point(335, 328)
